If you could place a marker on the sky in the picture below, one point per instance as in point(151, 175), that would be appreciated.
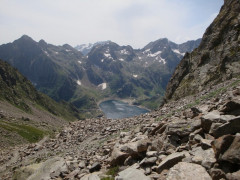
point(126, 22)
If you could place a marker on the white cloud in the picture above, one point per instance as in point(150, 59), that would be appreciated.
point(134, 22)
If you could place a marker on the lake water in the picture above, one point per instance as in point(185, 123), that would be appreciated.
point(115, 109)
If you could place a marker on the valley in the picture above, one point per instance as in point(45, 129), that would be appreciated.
point(107, 71)
point(51, 126)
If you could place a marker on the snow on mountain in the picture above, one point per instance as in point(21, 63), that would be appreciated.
point(86, 48)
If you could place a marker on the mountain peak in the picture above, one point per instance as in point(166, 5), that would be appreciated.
point(25, 37)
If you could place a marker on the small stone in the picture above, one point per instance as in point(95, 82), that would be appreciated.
point(82, 165)
point(95, 167)
point(206, 144)
point(151, 153)
point(148, 161)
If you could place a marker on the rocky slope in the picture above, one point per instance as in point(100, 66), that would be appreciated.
point(195, 136)
point(215, 60)
point(27, 115)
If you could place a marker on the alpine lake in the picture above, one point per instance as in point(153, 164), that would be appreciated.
point(116, 109)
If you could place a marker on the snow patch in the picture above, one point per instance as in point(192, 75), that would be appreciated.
point(103, 86)
point(178, 52)
point(102, 60)
point(79, 62)
point(155, 54)
point(146, 51)
point(135, 75)
point(107, 55)
point(121, 59)
point(46, 53)
point(124, 51)
point(162, 61)
point(79, 82)
point(68, 50)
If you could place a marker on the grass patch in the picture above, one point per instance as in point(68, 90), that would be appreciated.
point(30, 133)
point(113, 171)
point(107, 178)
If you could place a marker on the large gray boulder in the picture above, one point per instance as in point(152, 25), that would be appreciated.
point(182, 128)
point(118, 157)
point(231, 127)
point(206, 158)
point(188, 171)
point(134, 149)
point(232, 154)
point(170, 161)
point(132, 174)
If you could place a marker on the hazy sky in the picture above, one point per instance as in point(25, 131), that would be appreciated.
point(133, 22)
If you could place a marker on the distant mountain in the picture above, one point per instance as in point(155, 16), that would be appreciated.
point(86, 48)
point(109, 70)
point(53, 70)
point(141, 74)
point(214, 61)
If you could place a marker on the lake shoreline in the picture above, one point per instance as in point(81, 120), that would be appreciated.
point(120, 108)
point(127, 100)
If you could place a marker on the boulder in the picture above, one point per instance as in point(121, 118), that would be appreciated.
point(217, 174)
point(72, 174)
point(206, 144)
point(170, 161)
point(118, 157)
point(188, 171)
point(233, 176)
point(148, 161)
point(182, 128)
point(133, 174)
point(135, 149)
point(191, 113)
point(232, 154)
point(152, 154)
point(231, 107)
point(231, 127)
point(46, 170)
point(205, 158)
point(221, 144)
point(208, 119)
point(95, 167)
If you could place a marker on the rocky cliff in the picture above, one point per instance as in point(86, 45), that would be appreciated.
point(215, 60)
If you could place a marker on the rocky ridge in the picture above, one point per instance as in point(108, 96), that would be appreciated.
point(215, 60)
point(197, 136)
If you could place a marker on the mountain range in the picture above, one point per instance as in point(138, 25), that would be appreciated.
point(107, 70)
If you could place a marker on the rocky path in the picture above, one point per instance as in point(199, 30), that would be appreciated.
point(194, 137)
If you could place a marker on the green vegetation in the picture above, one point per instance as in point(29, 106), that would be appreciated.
point(112, 172)
point(107, 178)
point(29, 133)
